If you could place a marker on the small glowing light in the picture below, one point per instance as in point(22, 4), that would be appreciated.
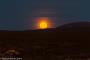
point(43, 25)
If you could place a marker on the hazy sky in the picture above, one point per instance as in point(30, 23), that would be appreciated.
point(20, 14)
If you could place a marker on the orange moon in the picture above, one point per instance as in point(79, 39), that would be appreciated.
point(43, 23)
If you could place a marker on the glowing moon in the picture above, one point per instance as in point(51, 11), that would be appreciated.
point(43, 23)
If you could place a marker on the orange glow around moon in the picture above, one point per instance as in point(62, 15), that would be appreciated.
point(43, 23)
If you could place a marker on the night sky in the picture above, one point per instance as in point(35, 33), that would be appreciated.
point(20, 14)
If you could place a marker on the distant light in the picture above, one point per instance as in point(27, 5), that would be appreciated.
point(43, 23)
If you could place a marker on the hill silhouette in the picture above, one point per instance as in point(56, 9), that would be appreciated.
point(75, 26)
point(67, 40)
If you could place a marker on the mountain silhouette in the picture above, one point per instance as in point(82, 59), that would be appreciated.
point(66, 40)
point(75, 26)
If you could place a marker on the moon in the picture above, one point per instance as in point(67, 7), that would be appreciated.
point(43, 23)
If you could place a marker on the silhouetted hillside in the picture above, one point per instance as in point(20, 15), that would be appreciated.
point(67, 40)
point(77, 26)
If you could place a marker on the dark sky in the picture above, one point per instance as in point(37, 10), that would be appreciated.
point(20, 14)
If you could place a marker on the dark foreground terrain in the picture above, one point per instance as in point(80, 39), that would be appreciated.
point(64, 42)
